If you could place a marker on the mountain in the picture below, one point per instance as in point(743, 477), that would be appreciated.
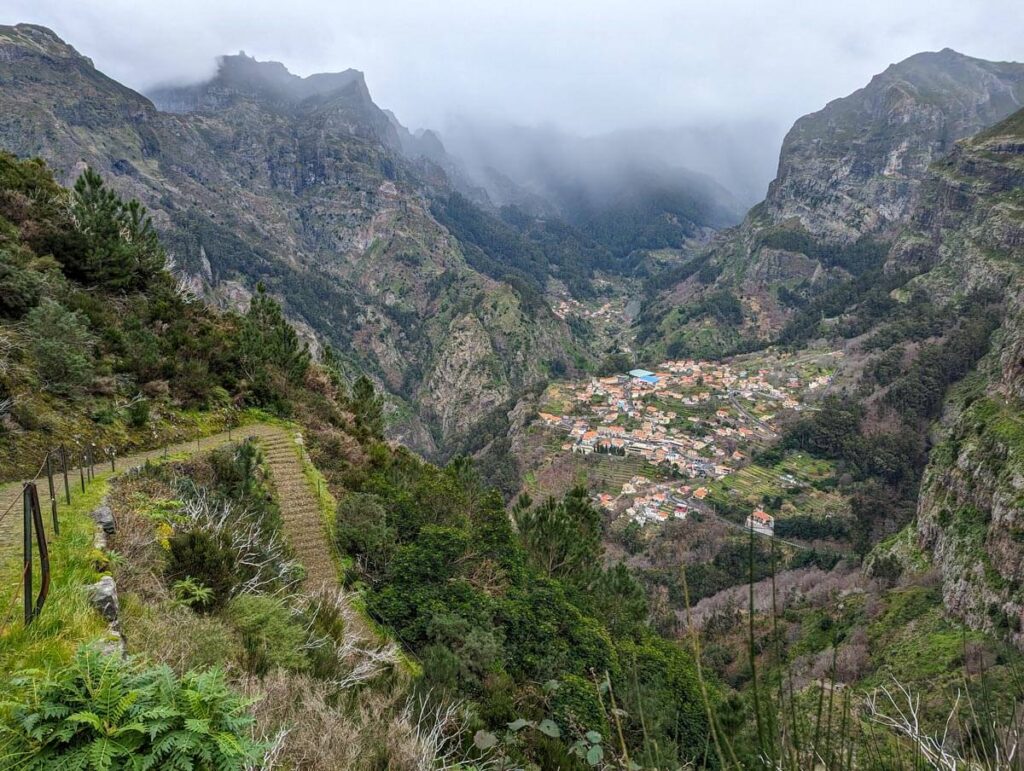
point(221, 594)
point(849, 176)
point(302, 184)
point(855, 167)
point(967, 237)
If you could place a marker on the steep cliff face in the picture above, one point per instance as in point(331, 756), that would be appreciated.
point(969, 233)
point(301, 183)
point(849, 178)
point(854, 167)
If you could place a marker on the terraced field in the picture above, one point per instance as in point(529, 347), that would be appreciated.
point(602, 472)
point(752, 483)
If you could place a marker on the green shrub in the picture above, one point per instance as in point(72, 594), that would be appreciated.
point(138, 413)
point(105, 713)
point(62, 345)
point(271, 636)
point(361, 529)
point(204, 557)
point(19, 289)
point(576, 708)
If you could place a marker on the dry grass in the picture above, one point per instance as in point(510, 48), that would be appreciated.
point(139, 562)
point(175, 636)
point(365, 730)
point(363, 716)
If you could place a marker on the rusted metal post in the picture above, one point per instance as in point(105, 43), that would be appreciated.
point(64, 468)
point(112, 456)
point(49, 474)
point(44, 551)
point(26, 504)
point(81, 472)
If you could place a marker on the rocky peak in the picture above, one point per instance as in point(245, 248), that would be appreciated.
point(23, 40)
point(242, 77)
point(854, 167)
point(246, 88)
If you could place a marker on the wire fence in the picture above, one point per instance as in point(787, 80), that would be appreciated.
point(57, 466)
point(35, 543)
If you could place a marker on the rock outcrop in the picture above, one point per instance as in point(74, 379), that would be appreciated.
point(968, 235)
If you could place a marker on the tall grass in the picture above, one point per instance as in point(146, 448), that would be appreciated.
point(67, 619)
point(839, 726)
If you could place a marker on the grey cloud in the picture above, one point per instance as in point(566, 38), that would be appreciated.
point(589, 67)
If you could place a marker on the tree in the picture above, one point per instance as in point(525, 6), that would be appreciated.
point(368, 406)
point(361, 531)
point(61, 343)
point(562, 538)
point(122, 249)
point(267, 340)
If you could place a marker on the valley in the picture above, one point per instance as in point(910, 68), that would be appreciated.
point(528, 459)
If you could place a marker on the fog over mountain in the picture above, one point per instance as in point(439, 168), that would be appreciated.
point(739, 156)
point(709, 87)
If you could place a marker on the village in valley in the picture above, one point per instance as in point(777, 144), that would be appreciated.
point(690, 427)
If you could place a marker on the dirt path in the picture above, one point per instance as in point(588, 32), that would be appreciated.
point(300, 510)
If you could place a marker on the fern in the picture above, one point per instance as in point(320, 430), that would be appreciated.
point(105, 713)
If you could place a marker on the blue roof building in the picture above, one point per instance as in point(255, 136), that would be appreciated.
point(640, 373)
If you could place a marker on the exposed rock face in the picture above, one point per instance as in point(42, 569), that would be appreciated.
point(301, 183)
point(968, 234)
point(854, 167)
point(853, 170)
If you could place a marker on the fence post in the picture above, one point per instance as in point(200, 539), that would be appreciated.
point(44, 552)
point(112, 457)
point(49, 473)
point(26, 505)
point(53, 496)
point(64, 468)
point(81, 471)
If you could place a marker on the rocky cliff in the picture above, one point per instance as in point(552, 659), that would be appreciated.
point(968, 234)
point(301, 183)
point(849, 177)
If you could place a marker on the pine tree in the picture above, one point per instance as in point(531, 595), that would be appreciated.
point(268, 340)
point(123, 252)
point(367, 406)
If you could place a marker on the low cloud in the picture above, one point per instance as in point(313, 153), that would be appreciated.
point(589, 67)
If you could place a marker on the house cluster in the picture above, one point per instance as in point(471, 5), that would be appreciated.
point(643, 500)
point(686, 416)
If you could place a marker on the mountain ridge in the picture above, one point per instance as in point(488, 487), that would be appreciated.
point(848, 180)
point(316, 201)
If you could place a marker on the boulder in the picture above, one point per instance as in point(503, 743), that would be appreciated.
point(103, 596)
point(104, 517)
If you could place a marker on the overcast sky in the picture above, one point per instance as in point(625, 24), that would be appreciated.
point(587, 66)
